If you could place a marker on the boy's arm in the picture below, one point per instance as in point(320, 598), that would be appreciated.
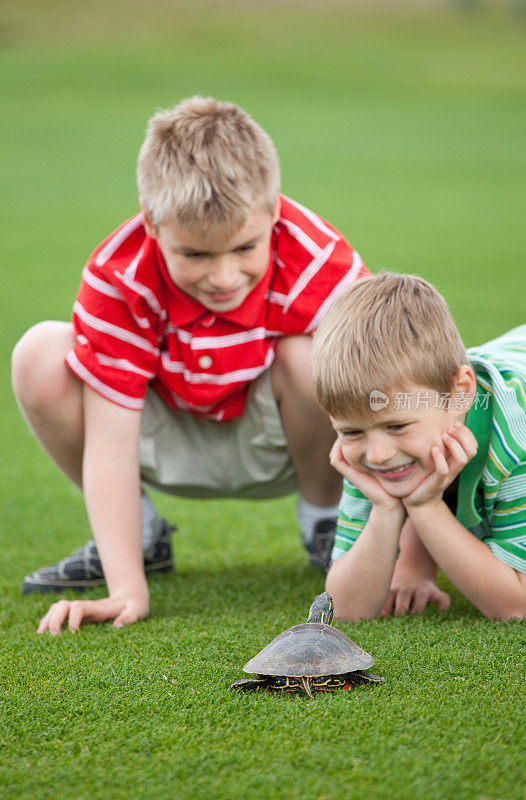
point(493, 586)
point(413, 585)
point(359, 581)
point(111, 486)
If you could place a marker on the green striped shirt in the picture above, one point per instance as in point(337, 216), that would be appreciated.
point(492, 487)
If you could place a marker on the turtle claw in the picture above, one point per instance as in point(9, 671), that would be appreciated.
point(367, 676)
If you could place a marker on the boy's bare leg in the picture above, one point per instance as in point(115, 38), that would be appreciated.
point(308, 428)
point(50, 395)
point(51, 399)
point(310, 438)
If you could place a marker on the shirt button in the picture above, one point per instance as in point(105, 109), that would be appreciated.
point(205, 362)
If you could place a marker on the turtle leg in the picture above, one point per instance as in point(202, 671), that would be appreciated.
point(305, 685)
point(331, 683)
point(250, 684)
point(351, 679)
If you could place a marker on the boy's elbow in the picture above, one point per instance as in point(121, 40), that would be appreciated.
point(510, 602)
point(333, 587)
point(507, 614)
point(351, 615)
point(505, 611)
point(345, 609)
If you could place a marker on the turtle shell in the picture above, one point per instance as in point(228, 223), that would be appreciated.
point(309, 650)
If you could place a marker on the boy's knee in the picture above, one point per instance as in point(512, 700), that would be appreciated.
point(292, 350)
point(38, 371)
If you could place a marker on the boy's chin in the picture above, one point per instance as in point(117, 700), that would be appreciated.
point(397, 491)
point(404, 488)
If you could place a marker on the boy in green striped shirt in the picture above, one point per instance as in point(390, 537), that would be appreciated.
point(431, 441)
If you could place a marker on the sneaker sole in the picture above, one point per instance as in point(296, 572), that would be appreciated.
point(33, 587)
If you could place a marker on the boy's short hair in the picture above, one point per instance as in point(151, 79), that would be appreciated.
point(384, 333)
point(206, 163)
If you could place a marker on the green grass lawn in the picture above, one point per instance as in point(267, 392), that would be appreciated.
point(406, 128)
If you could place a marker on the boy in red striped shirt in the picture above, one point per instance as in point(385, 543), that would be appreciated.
point(187, 363)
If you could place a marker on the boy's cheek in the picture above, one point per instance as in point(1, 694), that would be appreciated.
point(370, 473)
point(353, 462)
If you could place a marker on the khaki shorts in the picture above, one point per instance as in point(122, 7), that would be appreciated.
point(246, 457)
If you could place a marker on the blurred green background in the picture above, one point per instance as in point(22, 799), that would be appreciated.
point(404, 124)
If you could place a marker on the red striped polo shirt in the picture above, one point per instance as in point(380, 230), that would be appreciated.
point(134, 326)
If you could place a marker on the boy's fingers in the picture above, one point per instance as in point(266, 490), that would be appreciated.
point(423, 597)
point(456, 449)
point(441, 465)
point(466, 439)
point(45, 621)
point(420, 601)
point(131, 613)
point(336, 456)
point(59, 613)
point(388, 605)
point(342, 466)
point(443, 601)
point(335, 451)
point(76, 614)
point(126, 618)
point(337, 460)
point(102, 610)
point(75, 611)
point(43, 624)
point(402, 602)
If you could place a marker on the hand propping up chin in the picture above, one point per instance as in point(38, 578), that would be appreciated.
point(460, 446)
point(365, 483)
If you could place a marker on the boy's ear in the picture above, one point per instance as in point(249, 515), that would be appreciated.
point(465, 383)
point(148, 224)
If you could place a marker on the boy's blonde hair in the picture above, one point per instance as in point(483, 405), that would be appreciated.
point(385, 333)
point(206, 163)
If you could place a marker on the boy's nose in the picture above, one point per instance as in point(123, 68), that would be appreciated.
point(223, 276)
point(379, 450)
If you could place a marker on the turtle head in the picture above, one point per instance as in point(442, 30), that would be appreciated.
point(322, 610)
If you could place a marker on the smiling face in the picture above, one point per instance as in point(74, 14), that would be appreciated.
point(394, 444)
point(217, 269)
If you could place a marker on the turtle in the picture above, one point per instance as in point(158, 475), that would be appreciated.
point(312, 657)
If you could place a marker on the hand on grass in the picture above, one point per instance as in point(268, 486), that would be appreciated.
point(123, 609)
point(460, 447)
point(365, 483)
point(409, 593)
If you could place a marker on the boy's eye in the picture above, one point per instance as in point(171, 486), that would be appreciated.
point(400, 427)
point(194, 255)
point(245, 248)
point(350, 434)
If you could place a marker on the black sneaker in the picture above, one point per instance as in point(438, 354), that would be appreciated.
point(83, 568)
point(320, 546)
